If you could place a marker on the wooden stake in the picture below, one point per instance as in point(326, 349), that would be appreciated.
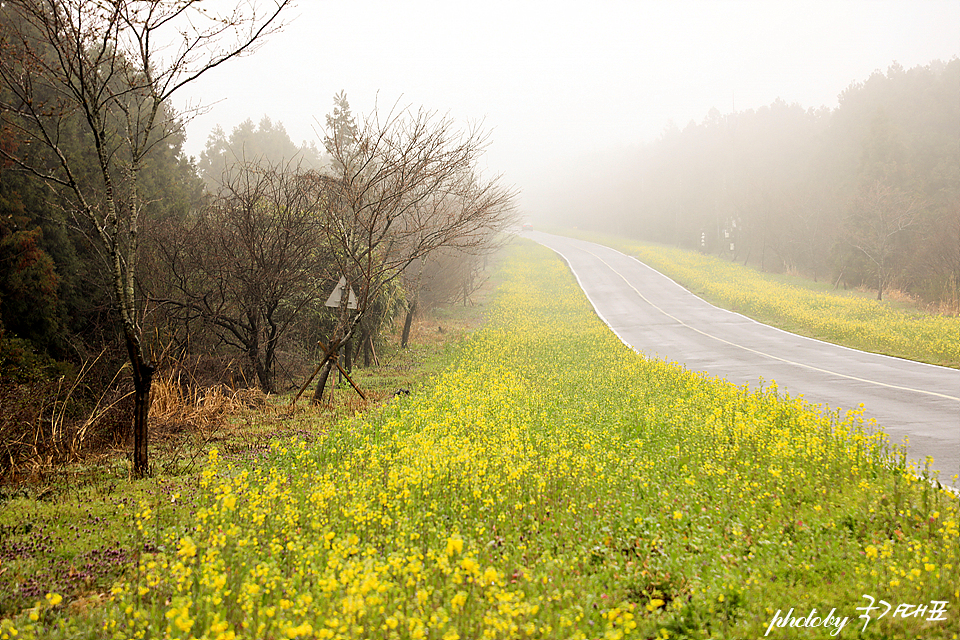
point(327, 355)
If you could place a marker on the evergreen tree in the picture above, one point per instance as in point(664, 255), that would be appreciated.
point(265, 144)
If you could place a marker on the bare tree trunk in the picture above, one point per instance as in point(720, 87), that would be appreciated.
point(407, 323)
point(836, 285)
point(264, 377)
point(142, 381)
point(467, 286)
point(336, 343)
point(322, 382)
point(260, 367)
point(412, 308)
point(348, 355)
point(365, 347)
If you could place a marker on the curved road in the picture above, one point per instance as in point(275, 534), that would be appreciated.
point(657, 317)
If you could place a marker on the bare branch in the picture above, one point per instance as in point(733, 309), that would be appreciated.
point(104, 62)
point(403, 185)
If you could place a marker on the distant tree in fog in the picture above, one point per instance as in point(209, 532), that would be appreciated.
point(806, 190)
point(942, 256)
point(886, 204)
point(879, 217)
point(266, 143)
point(341, 131)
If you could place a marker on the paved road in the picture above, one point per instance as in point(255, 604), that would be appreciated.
point(659, 318)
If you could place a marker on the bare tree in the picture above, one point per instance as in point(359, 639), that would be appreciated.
point(448, 274)
point(402, 187)
point(879, 217)
point(249, 264)
point(114, 65)
point(942, 254)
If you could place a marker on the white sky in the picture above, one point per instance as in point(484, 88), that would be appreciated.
point(558, 81)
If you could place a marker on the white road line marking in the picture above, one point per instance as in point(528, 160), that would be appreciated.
point(740, 346)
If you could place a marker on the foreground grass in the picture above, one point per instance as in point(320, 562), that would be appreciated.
point(803, 307)
point(71, 529)
point(535, 492)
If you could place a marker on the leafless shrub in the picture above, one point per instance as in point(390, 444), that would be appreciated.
point(43, 424)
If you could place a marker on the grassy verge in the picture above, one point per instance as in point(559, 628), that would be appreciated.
point(533, 492)
point(74, 530)
point(802, 306)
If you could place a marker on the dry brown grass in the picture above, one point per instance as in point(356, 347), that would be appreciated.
point(908, 300)
point(185, 417)
point(47, 425)
point(44, 424)
point(177, 406)
point(903, 297)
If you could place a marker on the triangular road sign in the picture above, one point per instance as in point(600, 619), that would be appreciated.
point(334, 300)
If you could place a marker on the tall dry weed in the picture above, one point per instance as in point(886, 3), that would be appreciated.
point(177, 405)
point(43, 424)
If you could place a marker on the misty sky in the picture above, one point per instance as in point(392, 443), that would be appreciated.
point(560, 83)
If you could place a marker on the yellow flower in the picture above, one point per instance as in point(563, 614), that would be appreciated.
point(454, 545)
point(187, 548)
point(302, 630)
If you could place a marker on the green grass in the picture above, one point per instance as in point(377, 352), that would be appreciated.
point(73, 530)
point(532, 492)
point(799, 305)
point(71, 534)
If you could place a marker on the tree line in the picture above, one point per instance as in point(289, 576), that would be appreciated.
point(112, 240)
point(865, 194)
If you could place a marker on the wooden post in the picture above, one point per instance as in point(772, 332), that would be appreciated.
point(329, 358)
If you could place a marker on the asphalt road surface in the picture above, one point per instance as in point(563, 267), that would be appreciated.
point(659, 318)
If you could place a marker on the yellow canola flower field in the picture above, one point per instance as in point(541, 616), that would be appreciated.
point(553, 484)
point(843, 319)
